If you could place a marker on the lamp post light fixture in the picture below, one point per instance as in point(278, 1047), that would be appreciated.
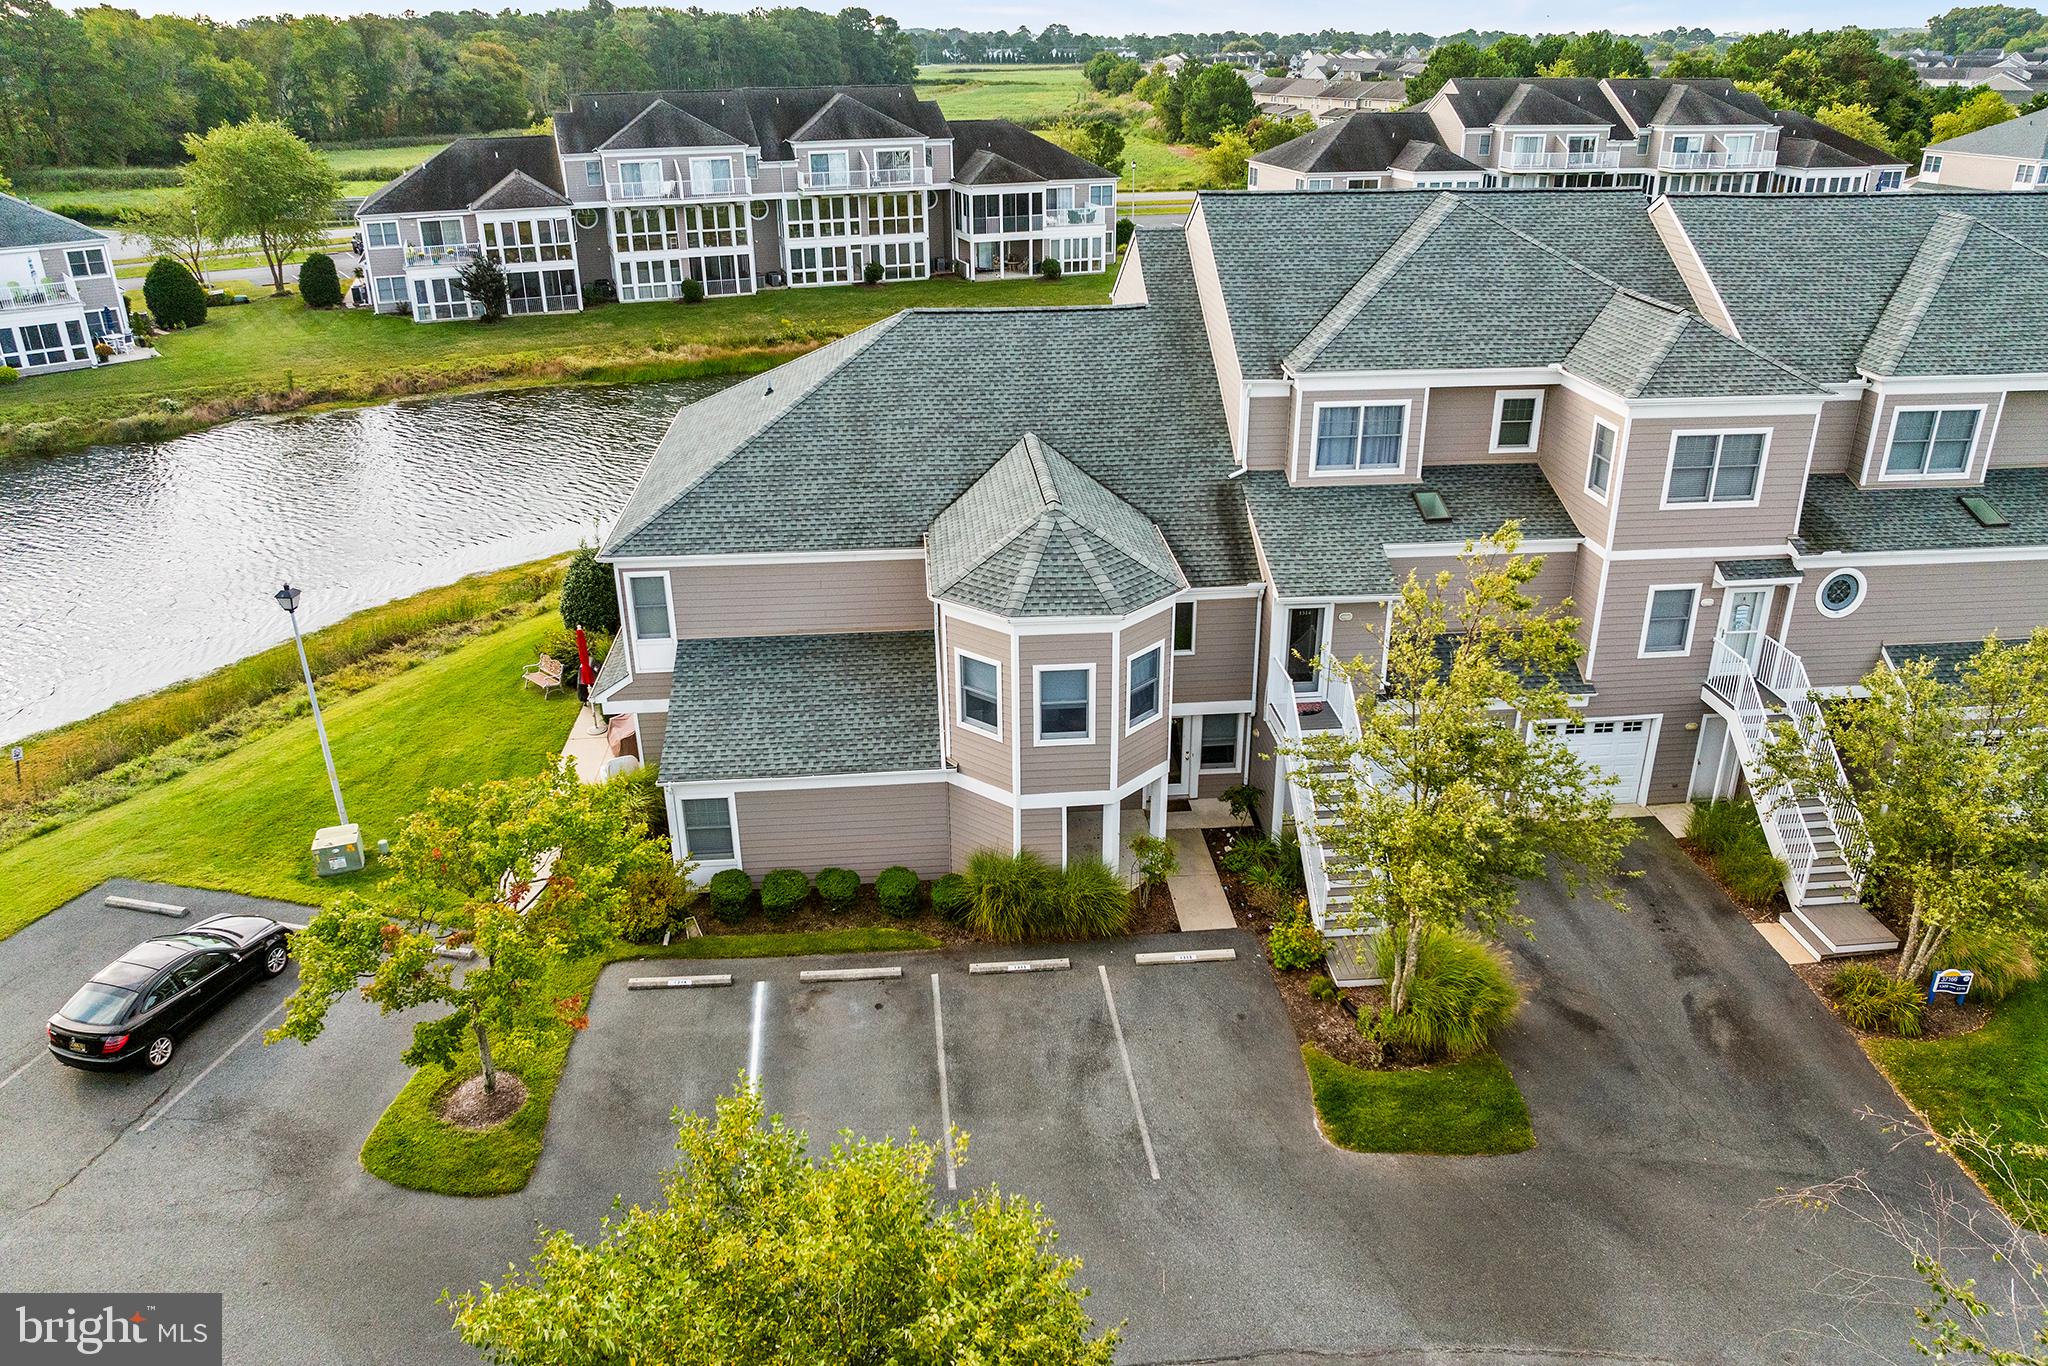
point(288, 598)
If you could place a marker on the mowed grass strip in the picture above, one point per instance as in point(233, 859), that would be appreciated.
point(244, 822)
point(412, 1146)
point(1460, 1109)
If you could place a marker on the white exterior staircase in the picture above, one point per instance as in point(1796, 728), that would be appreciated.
point(1811, 836)
point(1332, 884)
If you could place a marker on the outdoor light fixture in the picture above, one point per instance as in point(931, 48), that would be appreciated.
point(288, 598)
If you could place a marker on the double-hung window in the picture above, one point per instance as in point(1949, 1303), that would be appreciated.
point(1515, 415)
point(1600, 460)
point(1715, 467)
point(1146, 686)
point(1667, 625)
point(84, 262)
point(381, 234)
point(707, 829)
point(981, 684)
point(1933, 441)
point(1102, 196)
point(1360, 436)
point(1065, 698)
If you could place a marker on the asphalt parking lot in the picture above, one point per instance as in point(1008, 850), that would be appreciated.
point(1677, 1074)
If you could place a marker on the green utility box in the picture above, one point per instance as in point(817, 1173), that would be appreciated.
point(338, 849)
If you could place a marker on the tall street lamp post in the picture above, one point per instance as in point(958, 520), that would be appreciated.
point(288, 598)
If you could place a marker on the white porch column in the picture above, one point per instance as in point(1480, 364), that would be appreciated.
point(1112, 837)
point(1158, 812)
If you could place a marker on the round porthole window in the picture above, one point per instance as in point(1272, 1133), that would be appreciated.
point(587, 219)
point(760, 209)
point(1840, 593)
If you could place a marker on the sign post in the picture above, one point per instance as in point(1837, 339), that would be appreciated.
point(1953, 983)
point(15, 754)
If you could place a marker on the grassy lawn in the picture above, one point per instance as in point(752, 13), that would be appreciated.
point(1994, 1082)
point(243, 822)
point(1458, 1108)
point(274, 355)
point(1034, 92)
point(353, 163)
point(411, 1146)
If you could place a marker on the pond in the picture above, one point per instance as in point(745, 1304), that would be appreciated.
point(124, 568)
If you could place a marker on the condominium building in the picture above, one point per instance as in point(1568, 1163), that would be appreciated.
point(736, 190)
point(2006, 156)
point(58, 298)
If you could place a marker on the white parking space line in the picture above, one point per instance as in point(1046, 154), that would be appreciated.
point(207, 1071)
point(1144, 1133)
point(15, 1075)
point(945, 1099)
point(754, 1044)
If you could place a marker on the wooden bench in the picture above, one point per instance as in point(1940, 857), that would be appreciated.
point(545, 675)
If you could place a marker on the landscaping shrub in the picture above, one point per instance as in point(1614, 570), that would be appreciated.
point(950, 898)
point(837, 887)
point(1294, 943)
point(1876, 1002)
point(1007, 894)
point(1124, 228)
point(1091, 901)
point(896, 890)
point(589, 597)
point(1322, 988)
point(1243, 801)
point(174, 297)
point(600, 291)
point(1462, 994)
point(1050, 267)
point(319, 285)
point(657, 899)
point(1157, 860)
point(1750, 871)
point(2003, 962)
point(871, 273)
point(730, 892)
point(9, 375)
point(692, 292)
point(782, 891)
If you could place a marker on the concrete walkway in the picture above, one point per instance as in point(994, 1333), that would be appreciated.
point(1198, 898)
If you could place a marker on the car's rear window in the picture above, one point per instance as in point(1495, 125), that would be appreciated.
point(97, 1003)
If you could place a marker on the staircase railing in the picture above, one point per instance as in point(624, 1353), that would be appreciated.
point(1731, 675)
point(1784, 673)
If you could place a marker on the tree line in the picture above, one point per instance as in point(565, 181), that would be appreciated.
point(107, 87)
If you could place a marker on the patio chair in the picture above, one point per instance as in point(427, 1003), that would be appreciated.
point(546, 675)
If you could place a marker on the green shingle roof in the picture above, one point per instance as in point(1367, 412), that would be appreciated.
point(792, 706)
point(23, 224)
point(894, 424)
point(1036, 536)
point(1840, 517)
point(1330, 541)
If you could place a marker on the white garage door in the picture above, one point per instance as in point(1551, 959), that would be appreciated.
point(1619, 748)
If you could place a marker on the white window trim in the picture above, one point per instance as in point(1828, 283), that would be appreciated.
point(1236, 765)
point(732, 820)
point(1601, 495)
point(1692, 624)
point(1038, 735)
point(1159, 707)
point(960, 716)
point(390, 225)
point(650, 662)
point(1884, 454)
point(1394, 471)
point(1710, 503)
point(1862, 593)
point(1500, 402)
point(1194, 626)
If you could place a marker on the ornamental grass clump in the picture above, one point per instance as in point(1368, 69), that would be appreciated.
point(1007, 894)
point(1089, 902)
point(1462, 993)
point(1876, 1002)
point(2002, 963)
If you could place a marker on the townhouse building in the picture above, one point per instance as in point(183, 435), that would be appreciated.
point(58, 298)
point(2009, 156)
point(735, 189)
point(1762, 444)
point(1693, 136)
point(1285, 96)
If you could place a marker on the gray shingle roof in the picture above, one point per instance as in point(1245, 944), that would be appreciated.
point(1322, 541)
point(23, 224)
point(1947, 657)
point(1571, 682)
point(467, 169)
point(756, 116)
point(1040, 158)
point(518, 190)
point(1840, 517)
point(2025, 137)
point(1809, 144)
point(1693, 101)
point(873, 448)
point(1756, 571)
point(1361, 142)
point(661, 124)
point(1036, 536)
point(1576, 101)
point(790, 706)
point(1642, 348)
point(844, 118)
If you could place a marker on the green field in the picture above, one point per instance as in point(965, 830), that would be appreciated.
point(358, 161)
point(1029, 93)
point(362, 170)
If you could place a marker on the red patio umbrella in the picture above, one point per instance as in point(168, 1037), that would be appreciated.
point(584, 673)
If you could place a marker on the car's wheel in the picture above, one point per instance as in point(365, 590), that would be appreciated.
point(158, 1052)
point(275, 957)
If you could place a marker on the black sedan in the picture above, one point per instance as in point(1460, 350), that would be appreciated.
point(139, 1006)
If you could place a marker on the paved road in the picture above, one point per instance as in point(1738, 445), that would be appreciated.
point(1677, 1072)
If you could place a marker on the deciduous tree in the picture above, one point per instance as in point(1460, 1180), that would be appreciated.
point(1859, 121)
point(483, 280)
point(171, 225)
point(258, 180)
point(1981, 110)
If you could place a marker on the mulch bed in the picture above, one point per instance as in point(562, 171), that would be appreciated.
point(469, 1106)
point(1757, 915)
point(1938, 1021)
point(1153, 916)
point(1322, 1023)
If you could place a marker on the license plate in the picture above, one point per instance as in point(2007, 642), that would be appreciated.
point(78, 1045)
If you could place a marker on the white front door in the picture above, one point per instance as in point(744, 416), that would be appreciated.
point(1180, 768)
point(1743, 618)
point(1618, 747)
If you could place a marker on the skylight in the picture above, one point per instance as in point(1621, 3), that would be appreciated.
point(1984, 510)
point(1431, 505)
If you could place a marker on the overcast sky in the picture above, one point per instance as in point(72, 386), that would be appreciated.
point(1197, 16)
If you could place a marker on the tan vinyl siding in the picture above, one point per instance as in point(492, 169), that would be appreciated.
point(1305, 434)
point(1564, 447)
point(1460, 430)
point(1586, 567)
point(1555, 581)
point(1667, 686)
point(1266, 431)
point(817, 598)
point(1916, 604)
point(653, 729)
point(866, 829)
point(980, 823)
point(1045, 833)
point(641, 687)
point(1699, 283)
point(1065, 767)
point(1145, 748)
point(2022, 430)
point(1881, 410)
point(1837, 449)
point(1220, 669)
point(1216, 323)
point(976, 753)
point(1643, 523)
point(1129, 287)
point(1974, 171)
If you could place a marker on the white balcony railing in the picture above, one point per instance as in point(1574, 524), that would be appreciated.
point(448, 255)
point(1077, 216)
point(42, 294)
point(1710, 161)
point(865, 178)
point(1599, 159)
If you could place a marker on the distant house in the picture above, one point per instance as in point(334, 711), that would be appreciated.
point(58, 297)
point(2006, 156)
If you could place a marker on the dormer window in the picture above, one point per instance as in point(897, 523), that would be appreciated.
point(1931, 442)
point(1362, 437)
